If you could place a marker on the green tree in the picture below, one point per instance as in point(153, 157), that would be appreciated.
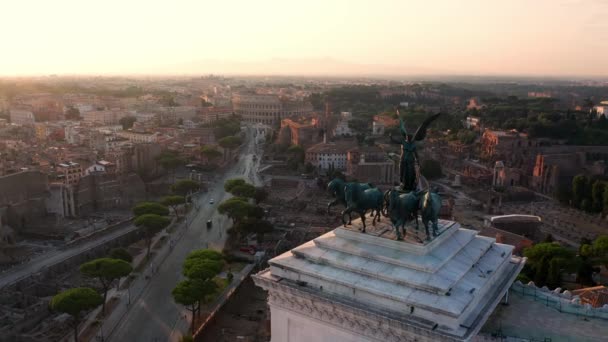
point(540, 257)
point(203, 265)
point(170, 161)
point(466, 137)
point(597, 195)
point(127, 122)
point(211, 153)
point(74, 302)
point(226, 127)
point(256, 226)
point(202, 269)
point(72, 113)
point(245, 190)
point(106, 270)
point(541, 271)
point(260, 195)
point(600, 250)
point(587, 205)
point(205, 254)
point(600, 246)
point(229, 143)
point(536, 253)
point(168, 100)
point(150, 208)
point(120, 253)
point(295, 157)
point(189, 293)
point(584, 272)
point(431, 169)
point(554, 276)
point(174, 202)
point(185, 187)
point(579, 190)
point(605, 202)
point(236, 208)
point(152, 224)
point(234, 182)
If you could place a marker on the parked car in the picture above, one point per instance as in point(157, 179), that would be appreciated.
point(209, 224)
point(247, 249)
point(211, 201)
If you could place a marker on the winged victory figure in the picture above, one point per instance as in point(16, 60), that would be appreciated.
point(409, 155)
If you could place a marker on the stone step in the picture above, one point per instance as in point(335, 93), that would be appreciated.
point(359, 287)
point(363, 246)
point(485, 269)
point(387, 238)
point(440, 282)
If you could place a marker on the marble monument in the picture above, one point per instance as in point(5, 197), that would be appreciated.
point(352, 286)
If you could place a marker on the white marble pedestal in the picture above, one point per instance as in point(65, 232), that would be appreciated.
point(350, 286)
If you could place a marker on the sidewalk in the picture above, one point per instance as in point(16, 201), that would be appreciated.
point(138, 284)
point(182, 323)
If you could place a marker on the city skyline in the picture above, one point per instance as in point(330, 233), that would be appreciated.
point(358, 38)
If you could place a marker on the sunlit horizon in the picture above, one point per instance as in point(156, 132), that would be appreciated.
point(334, 38)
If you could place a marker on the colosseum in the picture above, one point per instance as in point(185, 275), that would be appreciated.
point(268, 109)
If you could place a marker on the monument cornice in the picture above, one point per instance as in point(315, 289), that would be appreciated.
point(349, 317)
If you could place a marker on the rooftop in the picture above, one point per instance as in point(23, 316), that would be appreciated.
point(535, 321)
point(337, 148)
point(447, 286)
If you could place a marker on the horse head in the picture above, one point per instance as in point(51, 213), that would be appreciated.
point(335, 185)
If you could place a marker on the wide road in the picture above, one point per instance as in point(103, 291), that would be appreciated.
point(154, 315)
point(55, 256)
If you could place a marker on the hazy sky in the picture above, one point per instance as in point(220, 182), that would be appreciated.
point(523, 37)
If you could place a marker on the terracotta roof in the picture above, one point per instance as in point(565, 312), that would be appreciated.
point(597, 296)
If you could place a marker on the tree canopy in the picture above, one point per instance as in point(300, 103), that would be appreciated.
point(127, 122)
point(72, 113)
point(152, 221)
point(174, 202)
point(230, 142)
point(106, 270)
point(120, 253)
point(150, 208)
point(253, 225)
point(74, 301)
point(152, 224)
point(545, 262)
point(225, 127)
point(244, 190)
point(211, 153)
point(190, 293)
point(236, 208)
point(203, 269)
point(200, 267)
point(169, 160)
point(231, 183)
point(184, 187)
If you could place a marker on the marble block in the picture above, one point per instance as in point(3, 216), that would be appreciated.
point(438, 290)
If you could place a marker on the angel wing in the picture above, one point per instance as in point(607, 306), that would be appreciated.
point(401, 123)
point(421, 131)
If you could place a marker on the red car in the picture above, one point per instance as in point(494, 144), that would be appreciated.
point(247, 249)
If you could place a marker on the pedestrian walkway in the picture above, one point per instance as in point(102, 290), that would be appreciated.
point(137, 286)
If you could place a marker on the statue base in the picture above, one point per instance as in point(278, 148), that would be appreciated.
point(414, 240)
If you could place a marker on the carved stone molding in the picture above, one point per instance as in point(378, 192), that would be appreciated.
point(358, 321)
